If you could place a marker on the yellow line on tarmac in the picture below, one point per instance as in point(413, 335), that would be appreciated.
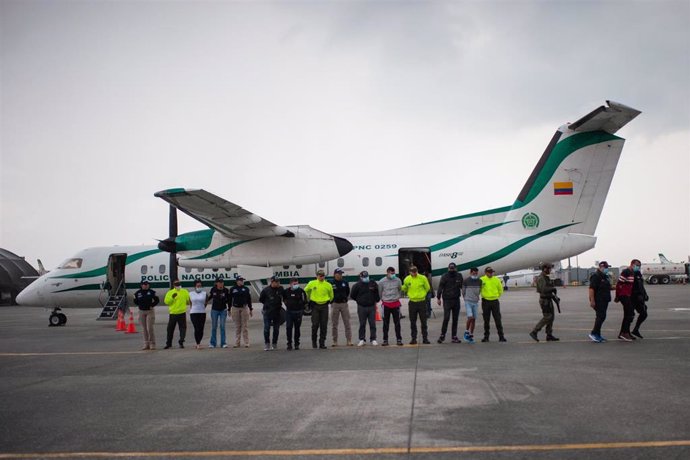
point(364, 451)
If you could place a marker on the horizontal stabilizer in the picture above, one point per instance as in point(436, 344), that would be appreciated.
point(609, 119)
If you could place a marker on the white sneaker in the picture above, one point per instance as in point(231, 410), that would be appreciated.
point(360, 343)
point(224, 346)
point(267, 347)
point(212, 346)
point(374, 343)
point(273, 347)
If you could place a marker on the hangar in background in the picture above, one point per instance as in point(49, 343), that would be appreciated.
point(15, 274)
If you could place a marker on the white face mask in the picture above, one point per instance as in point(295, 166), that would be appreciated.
point(198, 289)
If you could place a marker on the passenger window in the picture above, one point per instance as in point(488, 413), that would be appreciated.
point(144, 269)
point(285, 267)
point(200, 270)
point(341, 262)
point(71, 263)
point(215, 270)
point(365, 261)
point(187, 270)
point(161, 269)
point(298, 266)
point(379, 261)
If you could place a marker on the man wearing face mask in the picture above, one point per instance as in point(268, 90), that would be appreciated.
point(240, 311)
point(219, 297)
point(624, 288)
point(471, 291)
point(639, 297)
point(546, 290)
point(177, 300)
point(295, 300)
point(449, 289)
point(390, 293)
point(272, 299)
point(599, 298)
point(491, 291)
point(366, 293)
point(320, 294)
point(417, 286)
point(339, 307)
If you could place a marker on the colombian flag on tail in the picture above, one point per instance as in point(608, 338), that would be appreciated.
point(562, 188)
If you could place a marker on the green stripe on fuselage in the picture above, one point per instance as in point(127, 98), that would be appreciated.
point(501, 253)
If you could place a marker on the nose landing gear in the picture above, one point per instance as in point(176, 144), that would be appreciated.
point(56, 318)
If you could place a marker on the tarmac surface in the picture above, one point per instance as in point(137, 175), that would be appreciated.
point(86, 391)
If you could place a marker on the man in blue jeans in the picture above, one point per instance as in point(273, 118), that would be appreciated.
point(219, 297)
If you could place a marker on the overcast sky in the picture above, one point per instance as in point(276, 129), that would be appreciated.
point(347, 116)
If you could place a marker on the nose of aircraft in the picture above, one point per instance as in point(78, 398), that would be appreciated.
point(28, 295)
point(343, 245)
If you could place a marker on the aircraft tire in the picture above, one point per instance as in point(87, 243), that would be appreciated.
point(63, 319)
point(54, 319)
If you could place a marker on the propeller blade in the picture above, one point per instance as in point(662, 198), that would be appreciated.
point(169, 243)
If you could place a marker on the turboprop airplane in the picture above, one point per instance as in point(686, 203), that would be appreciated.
point(554, 216)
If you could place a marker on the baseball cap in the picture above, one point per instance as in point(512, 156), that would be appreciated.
point(338, 270)
point(274, 278)
point(364, 274)
point(320, 273)
point(604, 264)
point(144, 282)
point(240, 278)
point(219, 280)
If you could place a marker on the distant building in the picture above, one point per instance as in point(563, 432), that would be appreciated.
point(12, 270)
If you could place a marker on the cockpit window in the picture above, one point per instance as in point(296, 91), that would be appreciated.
point(71, 263)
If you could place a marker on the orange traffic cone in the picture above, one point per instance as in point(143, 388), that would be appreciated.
point(120, 326)
point(378, 313)
point(130, 328)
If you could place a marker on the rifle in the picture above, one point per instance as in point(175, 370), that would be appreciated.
point(557, 301)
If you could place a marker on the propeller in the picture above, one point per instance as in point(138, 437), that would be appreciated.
point(169, 244)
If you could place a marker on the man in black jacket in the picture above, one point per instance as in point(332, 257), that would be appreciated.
point(240, 311)
point(272, 299)
point(219, 297)
point(366, 293)
point(146, 299)
point(295, 300)
point(639, 297)
point(449, 289)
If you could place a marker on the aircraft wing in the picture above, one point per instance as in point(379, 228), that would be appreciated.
point(609, 119)
point(227, 218)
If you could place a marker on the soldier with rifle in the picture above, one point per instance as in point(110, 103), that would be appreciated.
point(547, 298)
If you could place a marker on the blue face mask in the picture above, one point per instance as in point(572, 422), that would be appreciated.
point(365, 279)
point(606, 271)
point(391, 276)
point(636, 268)
point(294, 287)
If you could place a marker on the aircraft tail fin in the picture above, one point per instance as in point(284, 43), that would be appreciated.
point(567, 189)
point(663, 259)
